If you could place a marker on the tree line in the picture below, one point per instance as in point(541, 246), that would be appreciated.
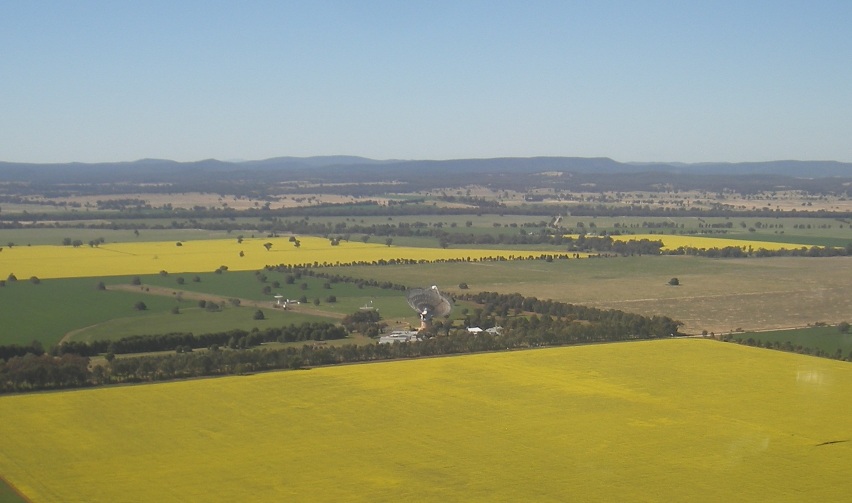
point(739, 252)
point(237, 338)
point(553, 323)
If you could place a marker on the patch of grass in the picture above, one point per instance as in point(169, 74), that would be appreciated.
point(806, 240)
point(48, 310)
point(826, 339)
point(51, 309)
point(664, 420)
point(192, 319)
point(8, 495)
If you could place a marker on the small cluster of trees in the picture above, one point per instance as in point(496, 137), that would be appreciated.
point(76, 243)
point(367, 322)
point(12, 350)
point(42, 371)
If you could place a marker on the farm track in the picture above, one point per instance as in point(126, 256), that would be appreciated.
point(186, 294)
point(721, 295)
point(189, 295)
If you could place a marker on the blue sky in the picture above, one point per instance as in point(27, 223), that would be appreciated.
point(631, 80)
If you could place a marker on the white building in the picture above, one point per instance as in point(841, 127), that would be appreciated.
point(400, 336)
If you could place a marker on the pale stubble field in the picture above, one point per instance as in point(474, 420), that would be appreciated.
point(716, 295)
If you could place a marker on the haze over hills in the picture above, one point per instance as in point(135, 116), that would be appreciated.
point(517, 173)
point(602, 165)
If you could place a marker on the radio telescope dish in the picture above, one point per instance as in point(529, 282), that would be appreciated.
point(428, 302)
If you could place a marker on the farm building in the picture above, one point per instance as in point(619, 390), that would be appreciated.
point(399, 336)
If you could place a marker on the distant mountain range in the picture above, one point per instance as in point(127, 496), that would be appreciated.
point(330, 168)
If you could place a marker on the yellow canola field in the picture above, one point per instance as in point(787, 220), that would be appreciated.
point(674, 420)
point(675, 241)
point(118, 259)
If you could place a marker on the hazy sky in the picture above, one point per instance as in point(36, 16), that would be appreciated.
point(635, 80)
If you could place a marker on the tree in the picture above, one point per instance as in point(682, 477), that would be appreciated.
point(463, 286)
point(136, 280)
point(258, 315)
point(101, 285)
point(389, 241)
point(674, 282)
point(140, 306)
point(843, 327)
point(267, 246)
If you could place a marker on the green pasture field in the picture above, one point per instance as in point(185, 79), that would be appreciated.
point(54, 308)
point(54, 236)
point(805, 240)
point(816, 231)
point(828, 339)
point(192, 319)
point(245, 285)
point(716, 295)
point(8, 495)
point(674, 420)
point(48, 310)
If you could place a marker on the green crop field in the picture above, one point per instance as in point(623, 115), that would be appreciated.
point(74, 307)
point(826, 339)
point(48, 310)
point(191, 319)
point(675, 420)
point(8, 495)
